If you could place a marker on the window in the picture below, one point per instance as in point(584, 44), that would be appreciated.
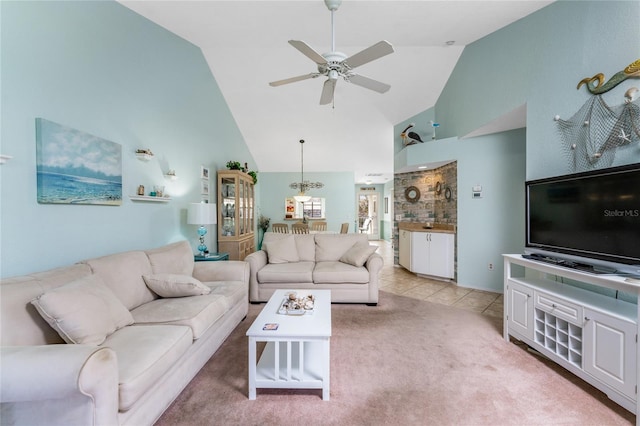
point(312, 209)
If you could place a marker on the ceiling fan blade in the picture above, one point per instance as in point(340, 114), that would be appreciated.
point(378, 50)
point(369, 83)
point(294, 79)
point(327, 92)
point(308, 51)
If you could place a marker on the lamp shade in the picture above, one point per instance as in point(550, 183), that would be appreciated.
point(201, 214)
point(302, 198)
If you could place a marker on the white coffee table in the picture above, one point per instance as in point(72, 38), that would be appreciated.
point(296, 355)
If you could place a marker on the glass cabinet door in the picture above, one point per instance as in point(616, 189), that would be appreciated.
point(228, 212)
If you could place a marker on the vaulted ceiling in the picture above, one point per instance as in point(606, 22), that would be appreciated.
point(245, 45)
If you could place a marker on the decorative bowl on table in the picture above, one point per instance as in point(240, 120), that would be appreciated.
point(294, 305)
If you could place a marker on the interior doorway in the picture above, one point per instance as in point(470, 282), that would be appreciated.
point(368, 218)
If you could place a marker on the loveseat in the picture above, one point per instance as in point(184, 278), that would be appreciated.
point(113, 340)
point(346, 264)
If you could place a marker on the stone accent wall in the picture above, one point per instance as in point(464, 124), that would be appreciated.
point(432, 207)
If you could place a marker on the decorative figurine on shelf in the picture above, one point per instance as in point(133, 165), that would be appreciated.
point(410, 138)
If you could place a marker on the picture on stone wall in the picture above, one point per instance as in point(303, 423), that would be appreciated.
point(74, 167)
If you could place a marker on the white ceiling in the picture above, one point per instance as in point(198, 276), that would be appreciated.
point(245, 45)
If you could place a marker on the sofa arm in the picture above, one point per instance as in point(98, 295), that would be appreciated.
point(59, 384)
point(374, 266)
point(257, 260)
point(230, 270)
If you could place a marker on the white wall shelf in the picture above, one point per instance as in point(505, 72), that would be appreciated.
point(150, 199)
point(144, 157)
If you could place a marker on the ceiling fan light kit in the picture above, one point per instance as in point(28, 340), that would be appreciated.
point(336, 64)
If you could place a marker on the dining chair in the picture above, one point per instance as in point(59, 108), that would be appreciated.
point(319, 226)
point(344, 228)
point(365, 225)
point(280, 228)
point(300, 228)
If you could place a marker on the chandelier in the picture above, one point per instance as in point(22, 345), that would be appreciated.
point(303, 185)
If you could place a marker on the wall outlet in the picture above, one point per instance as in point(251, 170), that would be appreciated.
point(491, 266)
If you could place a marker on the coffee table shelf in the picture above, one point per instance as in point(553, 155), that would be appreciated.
point(296, 354)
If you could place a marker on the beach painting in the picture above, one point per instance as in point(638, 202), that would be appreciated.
point(75, 167)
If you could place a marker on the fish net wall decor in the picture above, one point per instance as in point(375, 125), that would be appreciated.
point(596, 131)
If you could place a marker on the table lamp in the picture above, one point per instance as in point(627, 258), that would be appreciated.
point(201, 214)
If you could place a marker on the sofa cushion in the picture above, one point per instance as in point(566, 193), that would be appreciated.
point(145, 354)
point(20, 323)
point(84, 311)
point(198, 313)
point(122, 273)
point(305, 243)
point(331, 247)
point(176, 258)
point(233, 292)
point(300, 272)
point(174, 285)
point(358, 254)
point(283, 250)
point(339, 273)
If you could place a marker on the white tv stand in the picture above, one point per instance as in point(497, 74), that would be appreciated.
point(594, 336)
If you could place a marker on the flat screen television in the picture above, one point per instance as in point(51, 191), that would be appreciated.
point(591, 217)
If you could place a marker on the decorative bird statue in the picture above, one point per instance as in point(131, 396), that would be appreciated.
point(631, 71)
point(411, 137)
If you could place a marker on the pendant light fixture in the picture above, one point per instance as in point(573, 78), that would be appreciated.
point(303, 185)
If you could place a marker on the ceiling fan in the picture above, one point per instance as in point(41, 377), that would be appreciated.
point(336, 64)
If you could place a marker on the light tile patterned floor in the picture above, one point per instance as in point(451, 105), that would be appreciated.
point(395, 279)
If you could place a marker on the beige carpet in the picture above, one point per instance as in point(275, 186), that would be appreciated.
point(407, 362)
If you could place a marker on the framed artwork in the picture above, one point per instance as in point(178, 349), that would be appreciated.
point(74, 167)
point(386, 205)
point(204, 187)
point(204, 172)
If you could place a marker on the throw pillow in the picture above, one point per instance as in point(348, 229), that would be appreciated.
point(283, 250)
point(174, 285)
point(358, 254)
point(84, 311)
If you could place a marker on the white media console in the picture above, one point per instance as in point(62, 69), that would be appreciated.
point(593, 335)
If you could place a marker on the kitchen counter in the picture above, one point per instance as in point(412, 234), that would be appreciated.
point(427, 227)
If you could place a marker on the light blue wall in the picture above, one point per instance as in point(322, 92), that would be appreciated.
point(100, 68)
point(539, 61)
point(493, 224)
point(339, 191)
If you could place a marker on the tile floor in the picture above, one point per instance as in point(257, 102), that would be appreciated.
point(395, 279)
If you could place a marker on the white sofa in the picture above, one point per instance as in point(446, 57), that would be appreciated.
point(344, 263)
point(135, 351)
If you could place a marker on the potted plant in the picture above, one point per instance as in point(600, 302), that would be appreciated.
point(263, 225)
point(254, 175)
point(234, 165)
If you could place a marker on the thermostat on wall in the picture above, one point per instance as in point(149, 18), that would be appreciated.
point(476, 191)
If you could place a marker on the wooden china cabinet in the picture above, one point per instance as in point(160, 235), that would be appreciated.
point(235, 214)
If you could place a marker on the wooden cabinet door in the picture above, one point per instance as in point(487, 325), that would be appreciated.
point(520, 309)
point(609, 346)
point(441, 254)
point(404, 249)
point(420, 253)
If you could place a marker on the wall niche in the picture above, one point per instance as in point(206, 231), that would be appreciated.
point(432, 206)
